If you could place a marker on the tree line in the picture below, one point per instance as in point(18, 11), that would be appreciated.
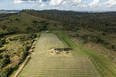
point(104, 21)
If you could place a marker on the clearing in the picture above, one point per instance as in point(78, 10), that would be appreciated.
point(43, 63)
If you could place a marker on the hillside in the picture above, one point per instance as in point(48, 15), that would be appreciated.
point(94, 30)
point(101, 22)
point(23, 23)
point(16, 38)
point(90, 36)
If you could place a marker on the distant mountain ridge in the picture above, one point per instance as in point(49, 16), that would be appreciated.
point(9, 11)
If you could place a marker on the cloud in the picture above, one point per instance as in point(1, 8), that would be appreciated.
point(77, 1)
point(65, 2)
point(24, 1)
point(56, 2)
point(71, 4)
point(95, 2)
point(110, 3)
point(40, 1)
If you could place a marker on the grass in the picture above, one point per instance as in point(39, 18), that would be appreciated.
point(105, 67)
point(42, 59)
point(22, 22)
point(47, 41)
point(43, 64)
point(106, 50)
point(18, 44)
point(7, 39)
point(14, 70)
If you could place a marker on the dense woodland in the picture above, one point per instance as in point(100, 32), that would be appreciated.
point(104, 21)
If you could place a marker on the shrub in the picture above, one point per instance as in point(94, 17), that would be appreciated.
point(4, 62)
point(5, 72)
point(109, 46)
point(2, 41)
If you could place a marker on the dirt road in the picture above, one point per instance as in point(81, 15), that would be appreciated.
point(26, 59)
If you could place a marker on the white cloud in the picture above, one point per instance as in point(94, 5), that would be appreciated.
point(40, 1)
point(43, 5)
point(110, 3)
point(71, 4)
point(95, 2)
point(18, 1)
point(24, 1)
point(65, 2)
point(77, 1)
point(54, 2)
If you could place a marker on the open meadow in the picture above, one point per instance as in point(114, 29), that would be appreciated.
point(104, 66)
point(43, 63)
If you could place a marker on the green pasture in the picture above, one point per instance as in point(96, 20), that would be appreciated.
point(45, 64)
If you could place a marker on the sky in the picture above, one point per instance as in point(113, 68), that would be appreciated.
point(76, 5)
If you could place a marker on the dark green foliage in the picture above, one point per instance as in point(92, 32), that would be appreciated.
point(15, 53)
point(6, 15)
point(4, 62)
point(97, 40)
point(2, 42)
point(21, 23)
point(103, 22)
point(71, 20)
point(91, 38)
point(17, 19)
point(34, 21)
point(5, 71)
point(109, 46)
point(33, 35)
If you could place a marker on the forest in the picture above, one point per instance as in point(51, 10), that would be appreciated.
point(104, 21)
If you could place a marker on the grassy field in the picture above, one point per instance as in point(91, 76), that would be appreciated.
point(45, 64)
point(105, 67)
point(48, 41)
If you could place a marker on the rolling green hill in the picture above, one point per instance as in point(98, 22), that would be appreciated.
point(94, 32)
point(24, 23)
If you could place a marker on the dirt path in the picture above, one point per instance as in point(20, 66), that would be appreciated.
point(16, 36)
point(11, 37)
point(26, 59)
